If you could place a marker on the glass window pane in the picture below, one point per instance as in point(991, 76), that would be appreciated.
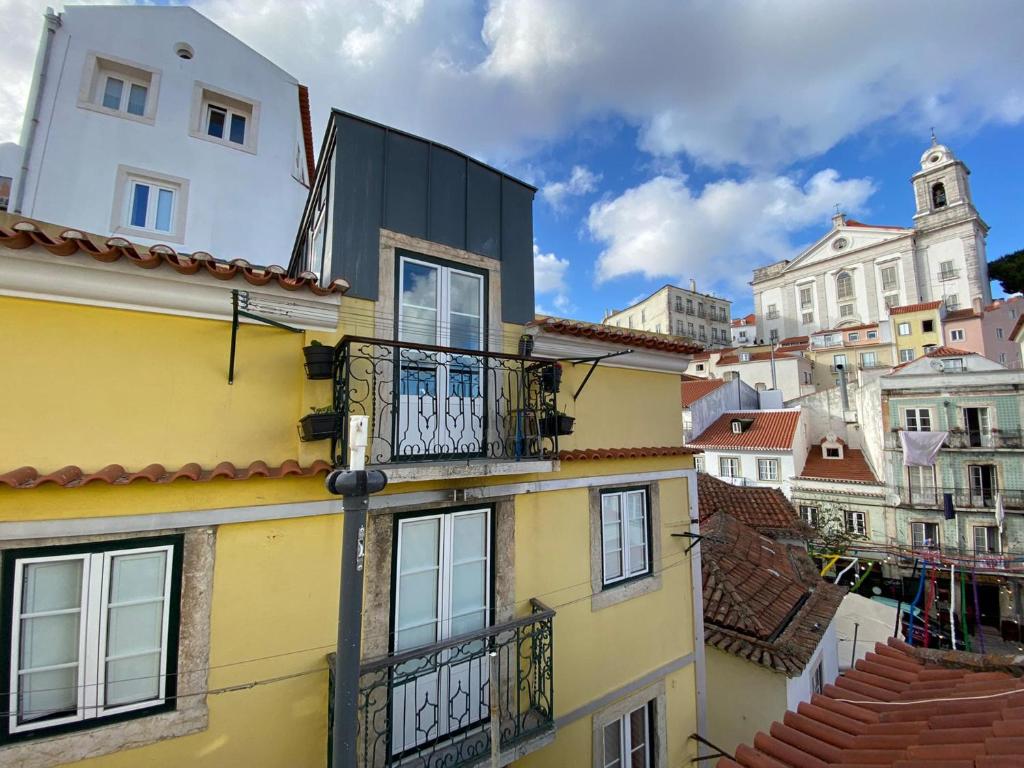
point(140, 205)
point(469, 539)
point(417, 599)
point(465, 298)
point(638, 737)
point(112, 93)
point(215, 122)
point(419, 303)
point(137, 99)
point(612, 745)
point(43, 694)
point(135, 628)
point(164, 204)
point(133, 679)
point(465, 332)
point(51, 586)
point(469, 586)
point(419, 544)
point(237, 134)
point(49, 640)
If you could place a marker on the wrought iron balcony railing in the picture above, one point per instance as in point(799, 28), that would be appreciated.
point(992, 439)
point(428, 403)
point(430, 707)
point(963, 498)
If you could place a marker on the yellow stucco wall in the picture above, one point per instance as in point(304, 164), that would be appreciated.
point(743, 698)
point(918, 338)
point(98, 386)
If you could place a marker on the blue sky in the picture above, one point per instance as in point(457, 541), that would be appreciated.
point(669, 139)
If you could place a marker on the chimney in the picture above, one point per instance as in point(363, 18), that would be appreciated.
point(693, 285)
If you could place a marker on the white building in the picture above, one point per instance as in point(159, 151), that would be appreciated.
point(155, 124)
point(763, 448)
point(700, 317)
point(856, 271)
point(744, 331)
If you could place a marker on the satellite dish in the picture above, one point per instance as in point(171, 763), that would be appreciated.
point(937, 365)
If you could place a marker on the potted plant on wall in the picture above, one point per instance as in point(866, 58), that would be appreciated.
point(556, 423)
point(319, 361)
point(319, 424)
point(551, 377)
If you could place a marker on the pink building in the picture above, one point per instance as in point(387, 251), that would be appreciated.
point(987, 330)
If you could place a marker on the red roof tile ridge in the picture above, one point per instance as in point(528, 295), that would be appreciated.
point(307, 132)
point(590, 454)
point(115, 474)
point(613, 334)
point(26, 234)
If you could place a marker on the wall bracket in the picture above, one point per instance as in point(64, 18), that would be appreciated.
point(237, 312)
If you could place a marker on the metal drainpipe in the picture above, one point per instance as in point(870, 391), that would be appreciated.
point(42, 66)
point(841, 370)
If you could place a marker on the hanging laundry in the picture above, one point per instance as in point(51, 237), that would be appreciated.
point(921, 448)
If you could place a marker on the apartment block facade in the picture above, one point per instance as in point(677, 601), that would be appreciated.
point(699, 317)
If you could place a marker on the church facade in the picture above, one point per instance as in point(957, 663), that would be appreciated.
point(856, 272)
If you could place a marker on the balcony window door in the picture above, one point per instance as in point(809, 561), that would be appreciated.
point(442, 590)
point(441, 398)
point(983, 484)
point(976, 425)
point(922, 485)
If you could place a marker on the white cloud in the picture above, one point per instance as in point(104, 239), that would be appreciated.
point(759, 85)
point(663, 229)
point(581, 181)
point(549, 279)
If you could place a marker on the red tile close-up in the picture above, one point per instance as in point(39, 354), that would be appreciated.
point(115, 474)
point(897, 708)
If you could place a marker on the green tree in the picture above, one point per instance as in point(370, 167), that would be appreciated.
point(1009, 271)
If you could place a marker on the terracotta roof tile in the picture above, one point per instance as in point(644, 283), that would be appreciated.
point(767, 510)
point(770, 430)
point(26, 234)
point(740, 322)
point(763, 601)
point(942, 719)
point(914, 307)
point(938, 352)
point(615, 335)
point(115, 474)
point(307, 131)
point(591, 454)
point(692, 391)
point(855, 223)
point(853, 467)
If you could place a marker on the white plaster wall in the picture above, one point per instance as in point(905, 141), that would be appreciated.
point(732, 396)
point(798, 689)
point(240, 205)
point(748, 467)
point(949, 249)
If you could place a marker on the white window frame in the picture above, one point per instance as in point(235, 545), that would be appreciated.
point(205, 96)
point(809, 303)
point(845, 289)
point(733, 461)
point(991, 536)
point(807, 318)
point(94, 608)
point(907, 355)
point(768, 470)
point(809, 514)
point(954, 364)
point(889, 286)
point(956, 334)
point(818, 678)
point(846, 310)
point(626, 566)
point(872, 334)
point(127, 178)
point(903, 329)
point(698, 462)
point(856, 522)
point(936, 543)
point(918, 416)
point(952, 302)
point(625, 756)
point(868, 359)
point(99, 66)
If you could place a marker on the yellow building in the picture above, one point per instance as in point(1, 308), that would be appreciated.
point(916, 329)
point(170, 556)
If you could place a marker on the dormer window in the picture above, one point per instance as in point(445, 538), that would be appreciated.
point(744, 357)
point(739, 426)
point(939, 195)
point(833, 453)
point(832, 450)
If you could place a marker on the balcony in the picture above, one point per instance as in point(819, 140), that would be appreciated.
point(437, 404)
point(949, 274)
point(430, 707)
point(995, 439)
point(963, 498)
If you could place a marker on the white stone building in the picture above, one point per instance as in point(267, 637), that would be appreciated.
point(700, 317)
point(856, 271)
point(155, 124)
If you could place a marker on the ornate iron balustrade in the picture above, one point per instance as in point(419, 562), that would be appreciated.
point(431, 707)
point(963, 498)
point(428, 403)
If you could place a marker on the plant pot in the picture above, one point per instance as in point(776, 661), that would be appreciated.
point(319, 361)
point(556, 424)
point(319, 426)
point(551, 378)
